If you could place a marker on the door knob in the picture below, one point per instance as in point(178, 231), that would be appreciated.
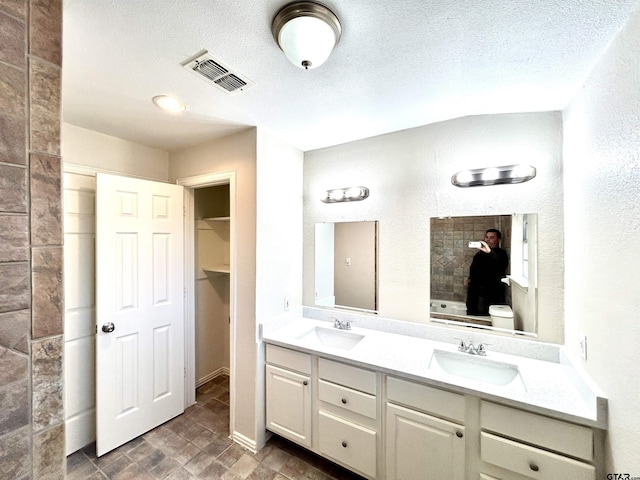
point(108, 327)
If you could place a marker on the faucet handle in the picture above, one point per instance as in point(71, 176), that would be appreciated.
point(462, 346)
point(482, 348)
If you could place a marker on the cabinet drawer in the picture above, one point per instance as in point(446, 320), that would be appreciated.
point(347, 398)
point(563, 437)
point(347, 375)
point(530, 461)
point(428, 399)
point(347, 443)
point(298, 361)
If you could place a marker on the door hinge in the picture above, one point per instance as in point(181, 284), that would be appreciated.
point(96, 329)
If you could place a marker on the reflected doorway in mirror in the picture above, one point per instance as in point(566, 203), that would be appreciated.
point(346, 265)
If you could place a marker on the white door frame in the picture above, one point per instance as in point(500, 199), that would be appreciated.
point(191, 183)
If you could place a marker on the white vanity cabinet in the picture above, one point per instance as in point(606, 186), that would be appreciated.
point(424, 432)
point(348, 416)
point(390, 426)
point(517, 445)
point(288, 409)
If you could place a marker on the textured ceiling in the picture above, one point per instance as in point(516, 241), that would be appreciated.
point(399, 64)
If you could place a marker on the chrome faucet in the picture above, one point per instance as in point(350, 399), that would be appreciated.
point(341, 324)
point(472, 349)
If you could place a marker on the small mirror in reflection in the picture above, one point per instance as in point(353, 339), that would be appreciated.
point(346, 269)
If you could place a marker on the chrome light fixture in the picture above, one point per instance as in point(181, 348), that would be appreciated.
point(494, 176)
point(349, 194)
point(306, 32)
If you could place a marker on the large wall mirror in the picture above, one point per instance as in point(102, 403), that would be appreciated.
point(512, 302)
point(346, 265)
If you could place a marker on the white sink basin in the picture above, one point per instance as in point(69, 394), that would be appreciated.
point(474, 367)
point(332, 337)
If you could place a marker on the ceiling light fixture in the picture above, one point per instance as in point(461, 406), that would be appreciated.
point(169, 103)
point(494, 176)
point(307, 33)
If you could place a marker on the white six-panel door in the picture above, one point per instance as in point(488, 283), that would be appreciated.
point(139, 307)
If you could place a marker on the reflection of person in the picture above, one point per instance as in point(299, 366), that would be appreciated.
point(488, 267)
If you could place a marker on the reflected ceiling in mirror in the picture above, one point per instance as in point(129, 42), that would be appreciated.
point(346, 265)
point(451, 260)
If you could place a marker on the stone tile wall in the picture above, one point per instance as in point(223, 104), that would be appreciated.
point(450, 255)
point(31, 295)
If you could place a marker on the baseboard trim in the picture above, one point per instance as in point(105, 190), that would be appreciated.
point(211, 376)
point(244, 442)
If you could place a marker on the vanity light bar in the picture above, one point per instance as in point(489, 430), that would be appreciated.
point(494, 176)
point(349, 194)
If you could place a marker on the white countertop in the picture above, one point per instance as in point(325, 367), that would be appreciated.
point(554, 388)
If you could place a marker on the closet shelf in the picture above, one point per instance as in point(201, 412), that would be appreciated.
point(217, 219)
point(217, 269)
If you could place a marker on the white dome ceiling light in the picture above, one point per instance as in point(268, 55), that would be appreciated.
point(307, 33)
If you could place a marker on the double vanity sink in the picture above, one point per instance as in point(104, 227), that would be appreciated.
point(543, 383)
point(393, 400)
point(464, 365)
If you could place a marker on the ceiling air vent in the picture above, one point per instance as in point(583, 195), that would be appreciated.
point(217, 73)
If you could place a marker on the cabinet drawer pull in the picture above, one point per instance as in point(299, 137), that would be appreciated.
point(459, 434)
point(305, 383)
point(344, 444)
point(344, 401)
point(534, 467)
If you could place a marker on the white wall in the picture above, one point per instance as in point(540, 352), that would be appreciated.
point(235, 152)
point(602, 224)
point(278, 243)
point(324, 247)
point(409, 177)
point(111, 154)
point(279, 226)
point(269, 250)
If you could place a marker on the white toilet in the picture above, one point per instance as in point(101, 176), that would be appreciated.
point(501, 316)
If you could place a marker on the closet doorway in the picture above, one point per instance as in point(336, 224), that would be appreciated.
point(210, 282)
point(212, 319)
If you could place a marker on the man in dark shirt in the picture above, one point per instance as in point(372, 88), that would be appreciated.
point(487, 269)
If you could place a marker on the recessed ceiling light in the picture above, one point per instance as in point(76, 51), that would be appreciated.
point(169, 103)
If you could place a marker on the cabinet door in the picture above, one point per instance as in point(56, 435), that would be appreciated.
point(422, 447)
point(289, 405)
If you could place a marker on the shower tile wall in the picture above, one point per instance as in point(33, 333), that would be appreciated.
point(31, 297)
point(450, 255)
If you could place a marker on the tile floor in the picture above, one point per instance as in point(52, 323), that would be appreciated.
point(196, 445)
